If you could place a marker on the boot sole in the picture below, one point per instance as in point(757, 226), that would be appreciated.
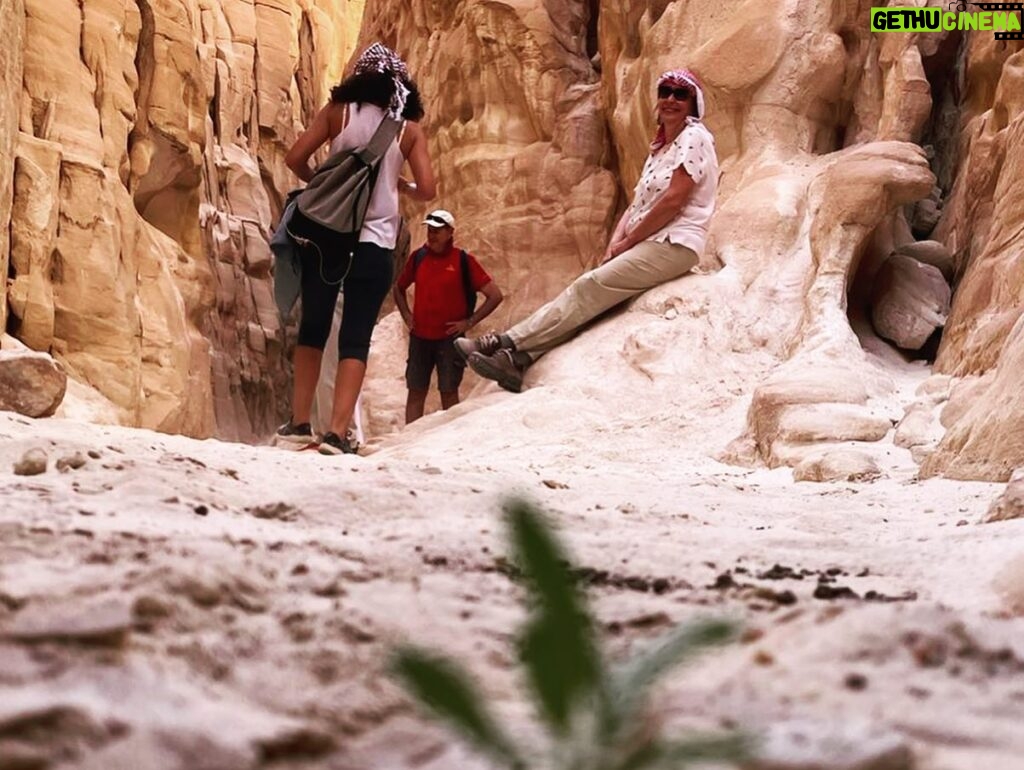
point(483, 367)
point(295, 442)
point(327, 449)
point(462, 353)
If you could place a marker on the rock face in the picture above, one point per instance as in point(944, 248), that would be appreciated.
point(982, 224)
point(1010, 504)
point(519, 140)
point(12, 13)
point(32, 384)
point(148, 171)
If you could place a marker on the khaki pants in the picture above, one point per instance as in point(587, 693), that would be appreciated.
point(633, 272)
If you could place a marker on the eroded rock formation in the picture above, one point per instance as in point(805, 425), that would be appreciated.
point(983, 224)
point(12, 31)
point(148, 170)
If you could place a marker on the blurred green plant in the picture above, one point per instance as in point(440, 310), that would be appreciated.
point(594, 714)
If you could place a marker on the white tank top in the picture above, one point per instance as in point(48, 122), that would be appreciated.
point(381, 224)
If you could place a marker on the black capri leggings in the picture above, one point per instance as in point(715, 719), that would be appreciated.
point(324, 258)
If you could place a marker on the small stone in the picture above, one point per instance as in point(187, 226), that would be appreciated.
point(280, 511)
point(830, 593)
point(71, 462)
point(1010, 504)
point(149, 607)
point(837, 465)
point(855, 682)
point(552, 484)
point(32, 463)
point(302, 743)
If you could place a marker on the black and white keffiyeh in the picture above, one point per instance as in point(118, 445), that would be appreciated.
point(379, 58)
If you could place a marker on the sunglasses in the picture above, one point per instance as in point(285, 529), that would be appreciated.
point(679, 94)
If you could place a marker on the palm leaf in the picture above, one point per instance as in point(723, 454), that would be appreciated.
point(631, 684)
point(676, 755)
point(441, 686)
point(558, 646)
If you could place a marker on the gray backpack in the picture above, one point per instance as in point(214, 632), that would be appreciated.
point(338, 194)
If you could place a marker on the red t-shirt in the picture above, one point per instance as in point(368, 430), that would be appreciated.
point(439, 297)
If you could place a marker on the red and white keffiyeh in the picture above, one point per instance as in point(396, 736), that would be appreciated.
point(681, 78)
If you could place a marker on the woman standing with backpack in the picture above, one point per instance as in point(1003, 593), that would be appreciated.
point(379, 88)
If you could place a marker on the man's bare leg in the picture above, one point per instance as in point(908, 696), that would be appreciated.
point(415, 403)
point(449, 398)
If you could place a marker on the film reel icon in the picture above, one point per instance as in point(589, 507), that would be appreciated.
point(961, 6)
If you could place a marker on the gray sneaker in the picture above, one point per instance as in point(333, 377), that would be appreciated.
point(486, 345)
point(500, 367)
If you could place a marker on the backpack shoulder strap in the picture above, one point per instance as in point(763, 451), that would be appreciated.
point(380, 141)
point(467, 281)
point(417, 259)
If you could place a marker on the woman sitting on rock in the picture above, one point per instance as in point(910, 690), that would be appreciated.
point(658, 238)
point(379, 87)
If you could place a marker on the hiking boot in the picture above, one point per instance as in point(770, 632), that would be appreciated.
point(486, 345)
point(295, 434)
point(503, 367)
point(333, 444)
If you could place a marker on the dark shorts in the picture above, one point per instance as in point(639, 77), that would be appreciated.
point(427, 355)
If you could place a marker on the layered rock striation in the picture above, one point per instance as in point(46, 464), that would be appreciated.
point(148, 171)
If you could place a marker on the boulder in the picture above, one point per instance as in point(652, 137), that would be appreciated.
point(1010, 504)
point(837, 464)
point(910, 300)
point(931, 253)
point(32, 463)
point(926, 215)
point(31, 383)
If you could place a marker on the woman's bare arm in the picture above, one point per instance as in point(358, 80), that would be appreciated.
point(318, 133)
point(418, 156)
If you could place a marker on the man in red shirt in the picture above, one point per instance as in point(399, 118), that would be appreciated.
point(447, 280)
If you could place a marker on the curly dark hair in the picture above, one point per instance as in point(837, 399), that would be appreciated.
point(377, 88)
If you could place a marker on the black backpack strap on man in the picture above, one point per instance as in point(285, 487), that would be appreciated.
point(339, 193)
point(467, 279)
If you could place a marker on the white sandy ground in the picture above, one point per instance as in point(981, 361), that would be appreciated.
point(257, 626)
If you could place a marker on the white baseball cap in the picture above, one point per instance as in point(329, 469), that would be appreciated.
point(440, 218)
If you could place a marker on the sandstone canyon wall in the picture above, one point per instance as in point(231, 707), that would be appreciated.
point(828, 135)
point(147, 171)
point(12, 29)
point(983, 224)
point(176, 114)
